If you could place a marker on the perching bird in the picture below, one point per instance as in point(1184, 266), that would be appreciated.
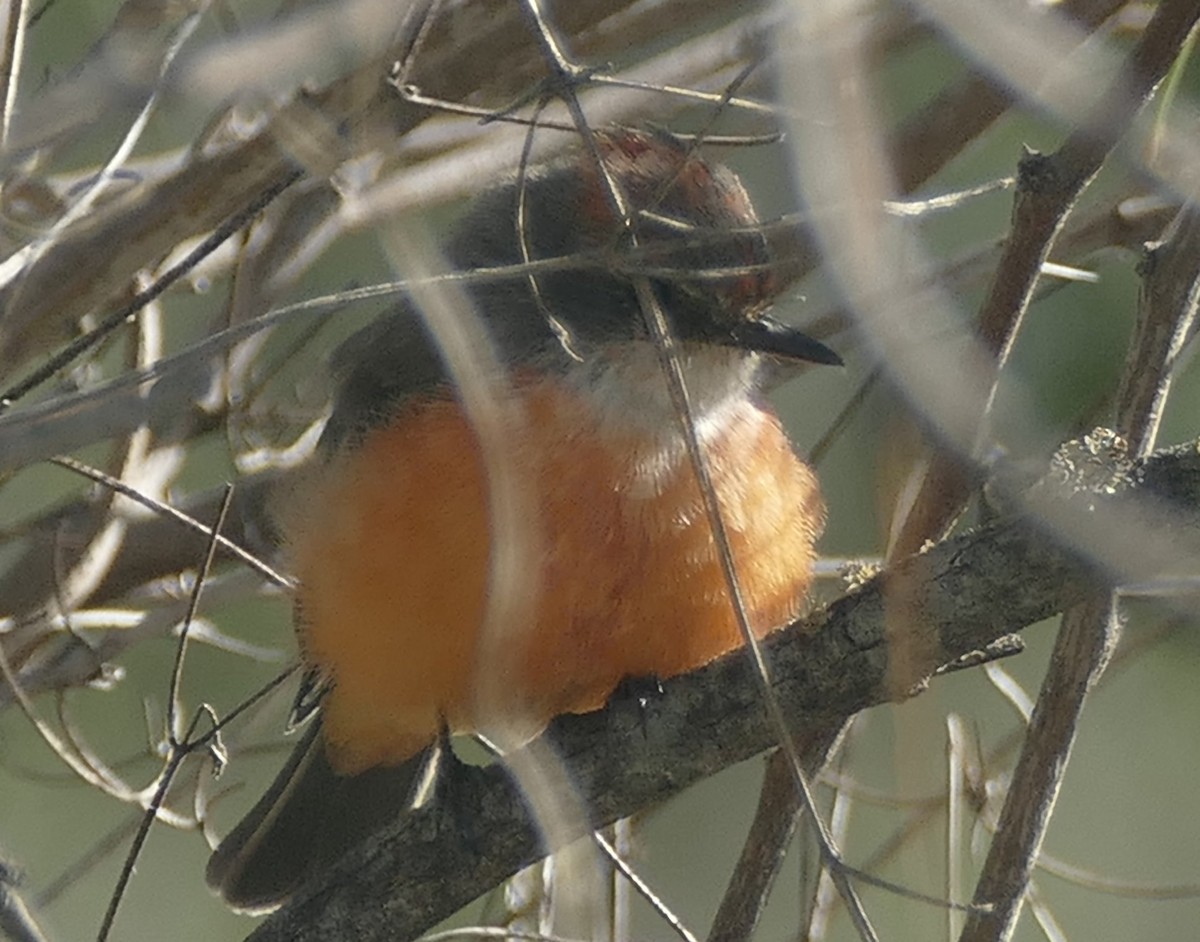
point(390, 539)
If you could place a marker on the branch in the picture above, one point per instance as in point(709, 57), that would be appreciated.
point(1047, 189)
point(1090, 631)
point(962, 596)
point(93, 262)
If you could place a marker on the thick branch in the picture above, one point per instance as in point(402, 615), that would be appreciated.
point(958, 598)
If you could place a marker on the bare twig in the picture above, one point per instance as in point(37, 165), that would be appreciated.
point(628, 874)
point(960, 113)
point(1047, 189)
point(17, 919)
point(11, 53)
point(762, 855)
point(1090, 631)
point(1166, 323)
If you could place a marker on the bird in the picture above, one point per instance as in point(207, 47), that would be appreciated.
point(389, 535)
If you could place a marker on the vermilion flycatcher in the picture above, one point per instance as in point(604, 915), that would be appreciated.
point(390, 541)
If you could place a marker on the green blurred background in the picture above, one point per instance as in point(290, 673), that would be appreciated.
point(1126, 812)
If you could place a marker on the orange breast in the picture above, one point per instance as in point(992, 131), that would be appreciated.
point(391, 546)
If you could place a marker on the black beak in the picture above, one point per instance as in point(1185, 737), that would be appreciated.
point(769, 336)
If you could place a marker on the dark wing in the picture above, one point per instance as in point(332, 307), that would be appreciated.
point(306, 820)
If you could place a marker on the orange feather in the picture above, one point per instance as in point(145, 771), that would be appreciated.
point(390, 543)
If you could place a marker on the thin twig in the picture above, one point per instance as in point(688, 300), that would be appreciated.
point(11, 54)
point(1090, 631)
point(762, 855)
point(1047, 189)
point(179, 742)
point(111, 322)
point(643, 888)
